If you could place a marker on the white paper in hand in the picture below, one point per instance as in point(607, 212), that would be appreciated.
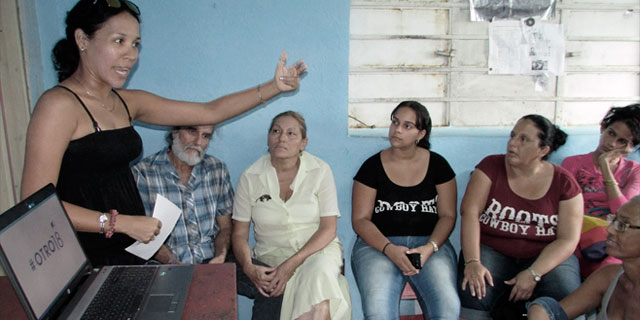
point(168, 213)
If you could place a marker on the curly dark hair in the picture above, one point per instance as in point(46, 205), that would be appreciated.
point(629, 115)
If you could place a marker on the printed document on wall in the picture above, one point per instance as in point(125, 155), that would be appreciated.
point(526, 47)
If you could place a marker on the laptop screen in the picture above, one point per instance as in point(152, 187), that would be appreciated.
point(41, 250)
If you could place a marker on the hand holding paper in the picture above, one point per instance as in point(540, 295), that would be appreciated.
point(168, 214)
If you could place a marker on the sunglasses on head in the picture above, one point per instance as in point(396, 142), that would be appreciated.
point(118, 4)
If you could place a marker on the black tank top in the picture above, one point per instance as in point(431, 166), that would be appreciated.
point(95, 174)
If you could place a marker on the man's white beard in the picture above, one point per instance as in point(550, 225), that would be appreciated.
point(180, 151)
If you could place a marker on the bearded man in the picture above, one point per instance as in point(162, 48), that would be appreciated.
point(199, 184)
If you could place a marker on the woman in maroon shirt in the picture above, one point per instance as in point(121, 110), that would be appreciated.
point(521, 218)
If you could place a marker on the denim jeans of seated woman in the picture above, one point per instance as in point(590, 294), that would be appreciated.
point(381, 282)
point(551, 306)
point(557, 283)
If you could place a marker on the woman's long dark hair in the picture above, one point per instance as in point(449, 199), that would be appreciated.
point(423, 120)
point(87, 15)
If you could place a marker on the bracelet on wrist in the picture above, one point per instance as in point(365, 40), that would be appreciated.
point(611, 182)
point(260, 99)
point(385, 247)
point(471, 261)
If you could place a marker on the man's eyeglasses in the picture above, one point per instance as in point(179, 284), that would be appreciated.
point(118, 4)
point(618, 225)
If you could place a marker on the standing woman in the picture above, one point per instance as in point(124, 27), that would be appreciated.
point(521, 218)
point(290, 196)
point(81, 137)
point(608, 180)
point(404, 201)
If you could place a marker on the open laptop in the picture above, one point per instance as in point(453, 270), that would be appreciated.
point(53, 278)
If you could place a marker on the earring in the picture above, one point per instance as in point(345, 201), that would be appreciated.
point(82, 50)
point(417, 141)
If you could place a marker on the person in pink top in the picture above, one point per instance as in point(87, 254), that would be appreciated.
point(607, 178)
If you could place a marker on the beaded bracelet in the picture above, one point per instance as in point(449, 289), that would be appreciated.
point(610, 182)
point(112, 223)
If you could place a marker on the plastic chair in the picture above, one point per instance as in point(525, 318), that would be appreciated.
point(408, 294)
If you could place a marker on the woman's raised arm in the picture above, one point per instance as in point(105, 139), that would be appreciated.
point(150, 108)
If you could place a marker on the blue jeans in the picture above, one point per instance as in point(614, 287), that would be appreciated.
point(551, 306)
point(557, 283)
point(381, 282)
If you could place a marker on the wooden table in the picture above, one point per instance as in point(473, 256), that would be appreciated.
point(212, 295)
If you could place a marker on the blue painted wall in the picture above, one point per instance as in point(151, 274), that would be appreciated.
point(202, 49)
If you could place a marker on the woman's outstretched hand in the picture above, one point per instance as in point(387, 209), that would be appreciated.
point(288, 78)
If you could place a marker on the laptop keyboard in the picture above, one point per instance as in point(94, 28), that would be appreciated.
point(121, 295)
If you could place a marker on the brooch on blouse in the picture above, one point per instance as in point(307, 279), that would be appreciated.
point(263, 198)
